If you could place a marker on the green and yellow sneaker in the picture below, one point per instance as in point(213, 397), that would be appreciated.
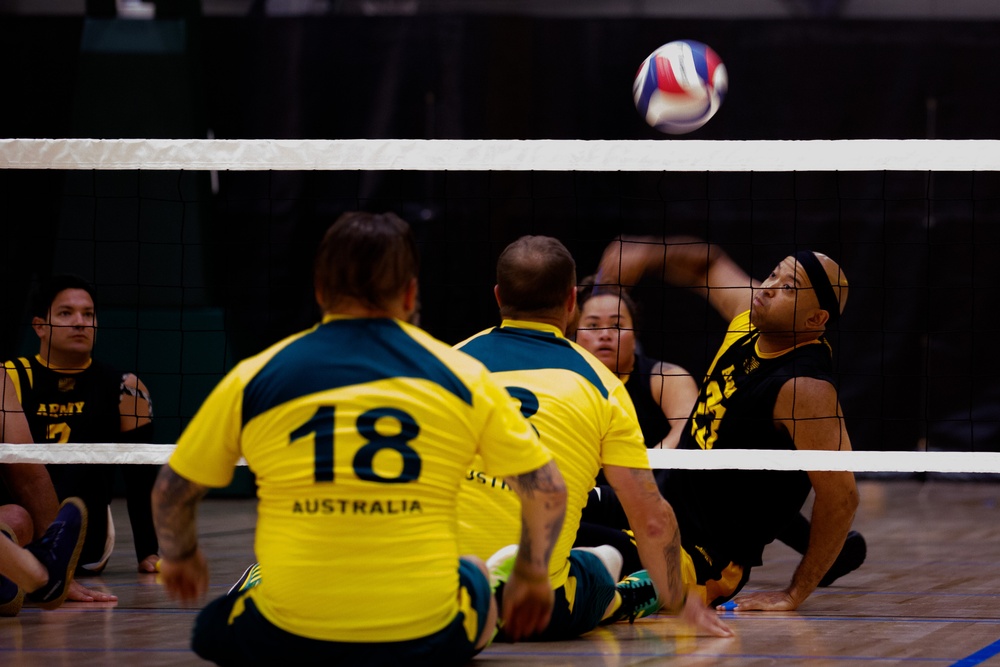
point(639, 598)
point(250, 578)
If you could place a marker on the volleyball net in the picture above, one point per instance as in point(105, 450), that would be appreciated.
point(201, 252)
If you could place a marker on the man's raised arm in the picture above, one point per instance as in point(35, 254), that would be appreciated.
point(682, 261)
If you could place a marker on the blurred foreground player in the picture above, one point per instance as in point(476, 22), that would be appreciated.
point(359, 431)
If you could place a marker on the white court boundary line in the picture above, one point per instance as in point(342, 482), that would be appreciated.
point(745, 459)
point(500, 155)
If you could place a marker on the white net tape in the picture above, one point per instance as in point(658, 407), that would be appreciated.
point(97, 452)
point(743, 459)
point(512, 155)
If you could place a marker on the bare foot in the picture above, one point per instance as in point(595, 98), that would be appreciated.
point(150, 564)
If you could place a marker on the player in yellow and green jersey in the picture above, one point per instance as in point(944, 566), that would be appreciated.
point(584, 416)
point(359, 431)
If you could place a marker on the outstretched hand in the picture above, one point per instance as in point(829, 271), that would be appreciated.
point(762, 601)
point(703, 619)
point(80, 593)
point(185, 580)
point(527, 606)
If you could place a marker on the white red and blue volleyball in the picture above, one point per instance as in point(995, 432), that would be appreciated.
point(680, 86)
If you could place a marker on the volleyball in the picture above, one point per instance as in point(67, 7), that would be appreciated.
point(680, 86)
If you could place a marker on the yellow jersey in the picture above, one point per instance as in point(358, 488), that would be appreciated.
point(359, 432)
point(582, 414)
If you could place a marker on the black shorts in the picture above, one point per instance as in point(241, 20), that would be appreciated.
point(250, 639)
point(580, 604)
point(716, 580)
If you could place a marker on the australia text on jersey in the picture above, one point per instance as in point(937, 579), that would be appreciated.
point(347, 506)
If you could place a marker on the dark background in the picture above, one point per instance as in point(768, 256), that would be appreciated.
point(196, 270)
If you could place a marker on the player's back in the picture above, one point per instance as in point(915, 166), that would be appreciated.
point(358, 432)
point(582, 414)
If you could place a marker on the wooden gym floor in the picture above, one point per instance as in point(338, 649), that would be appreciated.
point(927, 595)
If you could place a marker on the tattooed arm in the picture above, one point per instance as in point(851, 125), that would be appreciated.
point(528, 597)
point(183, 569)
point(658, 540)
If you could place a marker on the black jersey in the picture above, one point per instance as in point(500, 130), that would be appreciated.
point(82, 406)
point(730, 515)
point(652, 421)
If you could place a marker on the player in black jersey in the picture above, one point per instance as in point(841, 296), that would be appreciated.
point(769, 387)
point(664, 394)
point(29, 512)
point(68, 396)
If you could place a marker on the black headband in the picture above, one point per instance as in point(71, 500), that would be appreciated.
point(821, 283)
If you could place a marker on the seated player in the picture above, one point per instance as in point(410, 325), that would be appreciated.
point(359, 431)
point(582, 413)
point(69, 396)
point(42, 571)
point(663, 395)
point(770, 386)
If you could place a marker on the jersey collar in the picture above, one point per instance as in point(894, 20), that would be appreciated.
point(775, 355)
point(77, 369)
point(331, 317)
point(533, 326)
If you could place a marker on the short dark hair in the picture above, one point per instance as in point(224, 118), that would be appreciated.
point(369, 257)
point(534, 274)
point(587, 290)
point(46, 292)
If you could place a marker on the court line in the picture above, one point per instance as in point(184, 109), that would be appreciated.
point(744, 616)
point(762, 616)
point(108, 608)
point(855, 592)
point(722, 658)
point(979, 656)
point(928, 594)
point(114, 651)
point(975, 659)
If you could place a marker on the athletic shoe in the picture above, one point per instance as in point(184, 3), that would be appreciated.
point(850, 558)
point(249, 579)
point(500, 565)
point(639, 598)
point(58, 551)
point(11, 595)
point(95, 568)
